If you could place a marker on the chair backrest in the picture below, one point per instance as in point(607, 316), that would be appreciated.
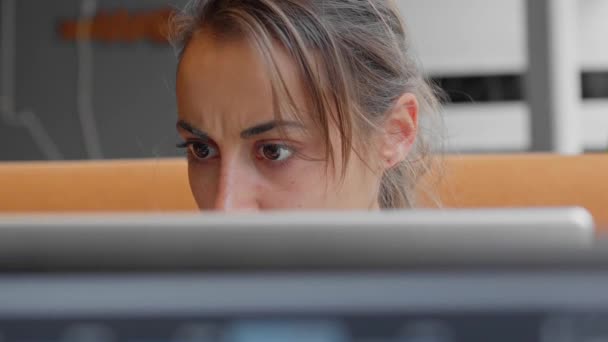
point(118, 185)
point(162, 185)
point(531, 180)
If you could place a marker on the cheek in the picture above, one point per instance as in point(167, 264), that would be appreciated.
point(203, 184)
point(361, 185)
point(302, 185)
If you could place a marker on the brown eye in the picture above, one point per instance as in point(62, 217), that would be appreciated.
point(276, 153)
point(203, 151)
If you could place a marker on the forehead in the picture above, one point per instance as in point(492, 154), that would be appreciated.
point(229, 78)
point(212, 58)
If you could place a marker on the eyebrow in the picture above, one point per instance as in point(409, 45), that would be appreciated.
point(246, 134)
point(267, 127)
point(191, 129)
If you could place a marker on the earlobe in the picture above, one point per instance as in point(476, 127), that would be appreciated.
point(400, 130)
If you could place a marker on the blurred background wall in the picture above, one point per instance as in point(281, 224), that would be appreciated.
point(479, 49)
point(63, 100)
point(131, 88)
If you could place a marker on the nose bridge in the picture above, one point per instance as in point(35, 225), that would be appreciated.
point(234, 191)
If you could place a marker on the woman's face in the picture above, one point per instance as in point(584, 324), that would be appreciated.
point(239, 156)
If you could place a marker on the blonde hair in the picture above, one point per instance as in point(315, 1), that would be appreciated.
point(362, 50)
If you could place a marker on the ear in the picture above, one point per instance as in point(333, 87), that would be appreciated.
point(400, 130)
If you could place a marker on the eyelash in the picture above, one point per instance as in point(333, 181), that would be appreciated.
point(293, 151)
point(187, 144)
point(191, 156)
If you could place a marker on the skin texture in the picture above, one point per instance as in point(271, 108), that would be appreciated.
point(238, 158)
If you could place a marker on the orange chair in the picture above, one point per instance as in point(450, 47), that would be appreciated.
point(162, 185)
point(478, 181)
point(111, 186)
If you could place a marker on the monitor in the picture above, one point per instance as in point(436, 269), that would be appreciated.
point(499, 275)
